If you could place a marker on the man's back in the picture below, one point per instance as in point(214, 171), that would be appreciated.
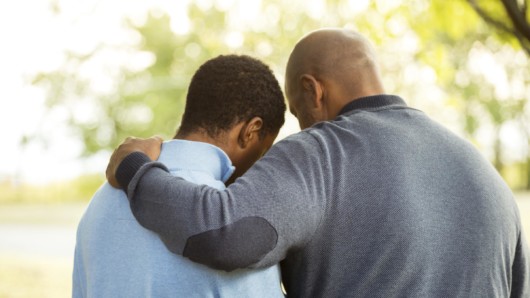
point(116, 257)
point(411, 211)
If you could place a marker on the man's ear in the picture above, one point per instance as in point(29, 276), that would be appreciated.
point(250, 132)
point(313, 89)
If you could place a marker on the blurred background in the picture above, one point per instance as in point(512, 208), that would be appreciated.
point(77, 77)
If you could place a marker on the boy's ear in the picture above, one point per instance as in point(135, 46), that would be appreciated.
point(250, 132)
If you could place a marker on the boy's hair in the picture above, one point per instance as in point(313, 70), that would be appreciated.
point(229, 89)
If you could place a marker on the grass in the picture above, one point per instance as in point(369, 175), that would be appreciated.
point(34, 277)
point(23, 275)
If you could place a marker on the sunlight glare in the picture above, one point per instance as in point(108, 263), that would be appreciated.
point(482, 62)
point(234, 39)
point(315, 8)
point(357, 6)
point(384, 6)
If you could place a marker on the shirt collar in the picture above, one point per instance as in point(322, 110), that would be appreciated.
point(375, 101)
point(197, 156)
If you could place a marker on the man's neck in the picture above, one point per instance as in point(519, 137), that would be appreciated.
point(346, 97)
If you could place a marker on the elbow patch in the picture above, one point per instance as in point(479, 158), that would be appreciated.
point(237, 245)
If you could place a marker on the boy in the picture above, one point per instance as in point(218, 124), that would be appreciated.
point(234, 110)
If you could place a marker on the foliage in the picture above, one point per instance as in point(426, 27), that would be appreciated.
point(416, 36)
point(453, 38)
point(509, 17)
point(149, 100)
point(35, 277)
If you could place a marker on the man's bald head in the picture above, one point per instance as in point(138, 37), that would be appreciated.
point(342, 60)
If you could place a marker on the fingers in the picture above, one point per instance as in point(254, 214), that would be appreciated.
point(150, 147)
point(111, 171)
point(111, 177)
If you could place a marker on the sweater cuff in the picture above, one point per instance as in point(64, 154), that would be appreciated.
point(129, 166)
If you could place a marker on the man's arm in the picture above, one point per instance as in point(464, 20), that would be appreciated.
point(275, 207)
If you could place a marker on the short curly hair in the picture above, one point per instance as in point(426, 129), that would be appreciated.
point(229, 89)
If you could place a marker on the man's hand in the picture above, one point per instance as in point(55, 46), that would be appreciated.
point(150, 147)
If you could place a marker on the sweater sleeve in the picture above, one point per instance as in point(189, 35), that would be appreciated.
point(275, 207)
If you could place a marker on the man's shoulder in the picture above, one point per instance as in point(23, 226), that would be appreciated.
point(304, 137)
point(304, 141)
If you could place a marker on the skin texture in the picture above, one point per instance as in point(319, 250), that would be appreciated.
point(327, 69)
point(242, 143)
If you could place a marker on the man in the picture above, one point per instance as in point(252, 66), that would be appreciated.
point(234, 110)
point(371, 199)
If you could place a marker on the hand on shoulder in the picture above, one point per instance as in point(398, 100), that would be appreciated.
point(150, 147)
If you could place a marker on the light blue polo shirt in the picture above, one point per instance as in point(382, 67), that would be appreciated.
point(116, 257)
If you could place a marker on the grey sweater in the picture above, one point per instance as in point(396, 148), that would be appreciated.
point(380, 202)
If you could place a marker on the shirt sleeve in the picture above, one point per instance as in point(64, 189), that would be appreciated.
point(275, 207)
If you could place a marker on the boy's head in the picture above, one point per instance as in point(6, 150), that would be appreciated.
point(236, 103)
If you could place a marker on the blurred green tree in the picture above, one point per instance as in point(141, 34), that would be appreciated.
point(457, 43)
point(513, 22)
point(413, 37)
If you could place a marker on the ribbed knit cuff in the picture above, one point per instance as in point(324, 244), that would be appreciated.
point(128, 168)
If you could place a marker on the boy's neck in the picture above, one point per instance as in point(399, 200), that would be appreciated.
point(200, 136)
